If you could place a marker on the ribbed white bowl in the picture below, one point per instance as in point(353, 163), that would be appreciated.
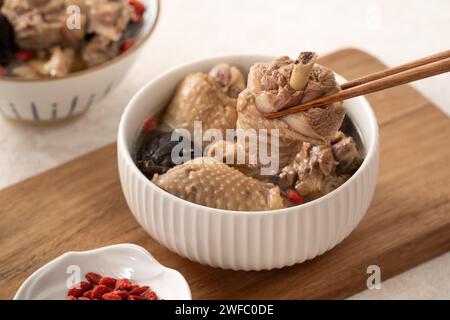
point(57, 99)
point(242, 240)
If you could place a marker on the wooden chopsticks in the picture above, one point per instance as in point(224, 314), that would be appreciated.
point(398, 69)
point(412, 71)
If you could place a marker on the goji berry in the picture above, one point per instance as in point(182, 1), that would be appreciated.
point(139, 290)
point(24, 55)
point(126, 45)
point(99, 291)
point(76, 292)
point(150, 123)
point(294, 196)
point(139, 9)
point(152, 296)
point(121, 293)
point(79, 289)
point(92, 277)
point(138, 6)
point(85, 286)
point(88, 294)
point(123, 284)
point(137, 17)
point(108, 288)
point(108, 281)
point(111, 296)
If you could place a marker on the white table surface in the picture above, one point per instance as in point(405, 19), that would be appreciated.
point(395, 31)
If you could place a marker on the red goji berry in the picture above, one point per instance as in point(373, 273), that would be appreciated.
point(138, 6)
point(108, 281)
point(79, 289)
point(150, 123)
point(126, 45)
point(138, 290)
point(137, 18)
point(76, 292)
point(294, 196)
point(152, 296)
point(108, 288)
point(123, 284)
point(88, 294)
point(93, 278)
point(24, 55)
point(85, 286)
point(99, 291)
point(121, 293)
point(139, 9)
point(111, 296)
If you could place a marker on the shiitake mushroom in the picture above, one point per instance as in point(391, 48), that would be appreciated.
point(7, 41)
point(154, 153)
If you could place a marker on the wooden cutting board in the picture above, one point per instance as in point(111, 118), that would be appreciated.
point(79, 206)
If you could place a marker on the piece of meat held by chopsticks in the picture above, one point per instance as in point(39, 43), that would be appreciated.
point(430, 66)
point(211, 183)
point(283, 83)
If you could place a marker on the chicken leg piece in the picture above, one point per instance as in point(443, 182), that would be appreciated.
point(211, 183)
point(269, 89)
point(210, 98)
point(270, 84)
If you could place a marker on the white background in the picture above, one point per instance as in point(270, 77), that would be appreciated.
point(394, 31)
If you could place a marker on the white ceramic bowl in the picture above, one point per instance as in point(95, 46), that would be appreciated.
point(119, 261)
point(242, 240)
point(56, 99)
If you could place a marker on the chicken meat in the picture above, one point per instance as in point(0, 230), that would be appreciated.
point(285, 83)
point(99, 50)
point(108, 18)
point(280, 84)
point(209, 98)
point(319, 169)
point(209, 182)
point(346, 153)
point(42, 24)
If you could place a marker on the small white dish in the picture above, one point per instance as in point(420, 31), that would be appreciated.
point(119, 261)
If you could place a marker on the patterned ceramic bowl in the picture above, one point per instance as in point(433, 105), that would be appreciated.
point(242, 240)
point(56, 99)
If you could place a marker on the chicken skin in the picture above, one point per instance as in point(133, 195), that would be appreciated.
point(209, 98)
point(211, 183)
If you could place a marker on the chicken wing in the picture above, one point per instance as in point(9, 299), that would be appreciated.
point(210, 98)
point(211, 183)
